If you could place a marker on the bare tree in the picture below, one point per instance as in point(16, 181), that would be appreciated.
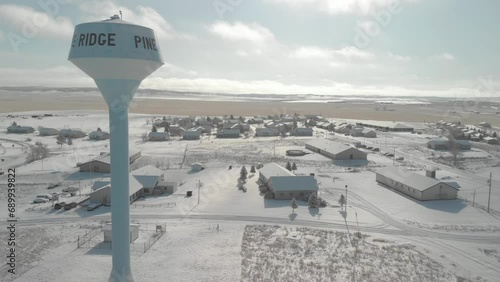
point(38, 152)
point(293, 204)
point(453, 147)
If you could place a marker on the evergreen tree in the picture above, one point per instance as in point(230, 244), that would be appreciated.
point(231, 117)
point(208, 119)
point(167, 127)
point(69, 141)
point(243, 173)
point(252, 169)
point(293, 204)
point(494, 135)
point(154, 129)
point(99, 129)
point(289, 166)
point(295, 124)
point(294, 166)
point(313, 200)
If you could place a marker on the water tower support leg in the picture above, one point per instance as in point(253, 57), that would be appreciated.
point(120, 201)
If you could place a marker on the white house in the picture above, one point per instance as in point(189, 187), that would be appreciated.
point(266, 132)
point(301, 131)
point(20, 129)
point(416, 185)
point(158, 136)
point(191, 135)
point(272, 169)
point(228, 133)
point(98, 135)
point(335, 150)
point(368, 133)
point(288, 187)
point(142, 182)
point(491, 140)
point(72, 133)
point(46, 131)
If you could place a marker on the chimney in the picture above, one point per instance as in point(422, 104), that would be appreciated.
point(430, 173)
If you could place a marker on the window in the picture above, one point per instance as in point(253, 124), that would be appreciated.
point(146, 190)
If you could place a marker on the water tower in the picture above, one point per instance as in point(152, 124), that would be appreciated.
point(118, 55)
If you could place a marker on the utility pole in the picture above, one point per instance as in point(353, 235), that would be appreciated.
point(394, 157)
point(346, 197)
point(489, 194)
point(474, 197)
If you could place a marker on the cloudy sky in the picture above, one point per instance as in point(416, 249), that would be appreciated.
point(333, 47)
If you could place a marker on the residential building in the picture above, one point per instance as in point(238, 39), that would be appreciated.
point(416, 185)
point(335, 150)
point(266, 132)
point(158, 136)
point(301, 131)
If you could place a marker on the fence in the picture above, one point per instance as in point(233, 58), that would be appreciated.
point(479, 206)
point(167, 205)
point(139, 247)
point(38, 209)
point(82, 240)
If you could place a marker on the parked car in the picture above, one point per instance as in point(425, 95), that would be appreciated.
point(93, 206)
point(375, 149)
point(369, 148)
point(70, 189)
point(363, 146)
point(399, 158)
point(45, 196)
point(70, 206)
point(59, 206)
point(53, 185)
point(390, 155)
point(40, 200)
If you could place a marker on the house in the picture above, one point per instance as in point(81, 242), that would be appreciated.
point(191, 135)
point(256, 120)
point(491, 140)
point(20, 129)
point(176, 130)
point(134, 232)
point(228, 133)
point(72, 133)
point(158, 136)
point(242, 127)
point(142, 182)
point(301, 131)
point(444, 144)
point(288, 187)
point(368, 133)
point(335, 150)
point(98, 135)
point(103, 163)
point(357, 131)
point(387, 126)
point(197, 167)
point(266, 132)
point(47, 131)
point(343, 129)
point(416, 185)
point(272, 169)
point(485, 124)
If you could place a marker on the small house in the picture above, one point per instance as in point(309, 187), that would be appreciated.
point(46, 131)
point(158, 136)
point(191, 135)
point(301, 131)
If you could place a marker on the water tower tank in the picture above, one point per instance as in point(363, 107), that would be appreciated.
point(118, 55)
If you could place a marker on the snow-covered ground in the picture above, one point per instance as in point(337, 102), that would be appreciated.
point(453, 235)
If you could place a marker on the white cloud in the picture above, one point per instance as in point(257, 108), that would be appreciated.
point(349, 53)
point(307, 52)
point(241, 53)
point(445, 57)
point(141, 15)
point(336, 7)
point(241, 32)
point(399, 57)
point(29, 23)
point(353, 53)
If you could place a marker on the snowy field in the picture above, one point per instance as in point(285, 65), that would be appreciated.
point(451, 240)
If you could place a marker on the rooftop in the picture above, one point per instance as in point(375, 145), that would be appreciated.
point(294, 183)
point(273, 169)
point(412, 179)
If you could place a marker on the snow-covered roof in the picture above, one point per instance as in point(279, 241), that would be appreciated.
point(303, 129)
point(328, 146)
point(414, 180)
point(293, 183)
point(273, 169)
point(148, 175)
point(134, 185)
